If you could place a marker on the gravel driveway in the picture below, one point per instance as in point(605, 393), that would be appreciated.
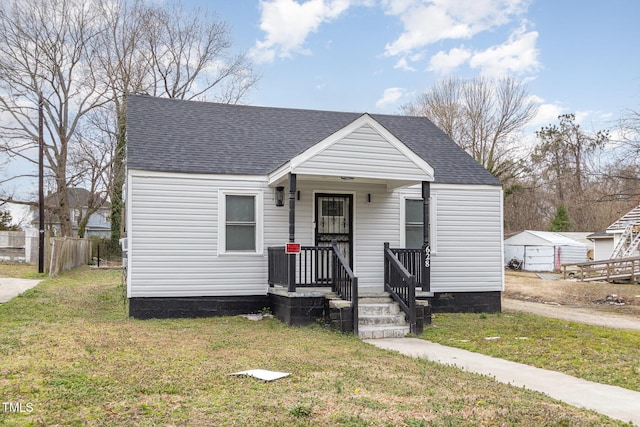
point(580, 315)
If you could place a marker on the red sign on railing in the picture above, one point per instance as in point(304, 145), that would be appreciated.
point(292, 248)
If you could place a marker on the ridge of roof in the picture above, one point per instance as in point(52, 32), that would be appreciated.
point(631, 217)
point(203, 137)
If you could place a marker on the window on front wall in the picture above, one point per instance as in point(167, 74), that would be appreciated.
point(240, 223)
point(413, 223)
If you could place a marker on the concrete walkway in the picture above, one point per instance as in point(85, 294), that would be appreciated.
point(615, 402)
point(11, 287)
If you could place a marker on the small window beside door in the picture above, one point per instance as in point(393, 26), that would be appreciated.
point(413, 223)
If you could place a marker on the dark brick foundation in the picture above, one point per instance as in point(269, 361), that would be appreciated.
point(304, 310)
point(297, 311)
point(466, 302)
point(340, 315)
point(170, 307)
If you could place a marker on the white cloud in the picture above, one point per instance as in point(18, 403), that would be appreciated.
point(429, 21)
point(518, 55)
point(390, 96)
point(445, 62)
point(403, 64)
point(547, 115)
point(287, 24)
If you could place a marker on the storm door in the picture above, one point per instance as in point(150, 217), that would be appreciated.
point(334, 221)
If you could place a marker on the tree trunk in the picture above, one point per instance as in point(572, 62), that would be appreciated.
point(119, 170)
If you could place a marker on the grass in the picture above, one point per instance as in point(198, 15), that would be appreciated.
point(20, 271)
point(70, 354)
point(604, 355)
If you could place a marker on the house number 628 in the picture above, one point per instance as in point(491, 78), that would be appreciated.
point(427, 257)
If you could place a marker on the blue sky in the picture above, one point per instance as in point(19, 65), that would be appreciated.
point(375, 55)
point(577, 56)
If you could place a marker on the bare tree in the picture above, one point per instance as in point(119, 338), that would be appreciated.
point(564, 152)
point(83, 57)
point(485, 117)
point(629, 148)
point(564, 160)
point(191, 59)
point(164, 51)
point(91, 165)
point(47, 50)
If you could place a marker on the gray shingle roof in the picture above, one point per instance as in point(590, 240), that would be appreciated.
point(200, 137)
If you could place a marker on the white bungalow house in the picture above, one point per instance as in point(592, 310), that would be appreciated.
point(216, 191)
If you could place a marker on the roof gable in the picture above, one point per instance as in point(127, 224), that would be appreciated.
point(200, 137)
point(361, 149)
point(631, 217)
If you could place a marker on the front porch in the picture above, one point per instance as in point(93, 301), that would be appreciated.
point(318, 284)
point(346, 197)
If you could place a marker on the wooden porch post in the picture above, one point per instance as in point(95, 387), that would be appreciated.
point(426, 248)
point(292, 232)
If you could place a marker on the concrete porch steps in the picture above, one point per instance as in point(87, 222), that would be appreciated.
point(380, 317)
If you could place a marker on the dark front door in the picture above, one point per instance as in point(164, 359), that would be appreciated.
point(334, 221)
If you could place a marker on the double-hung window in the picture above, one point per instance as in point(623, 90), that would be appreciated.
point(241, 222)
point(413, 223)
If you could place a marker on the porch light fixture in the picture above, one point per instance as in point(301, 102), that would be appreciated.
point(279, 196)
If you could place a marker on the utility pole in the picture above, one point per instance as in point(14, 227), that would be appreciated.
point(40, 185)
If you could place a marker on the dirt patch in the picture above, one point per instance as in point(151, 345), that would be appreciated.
point(621, 299)
point(578, 298)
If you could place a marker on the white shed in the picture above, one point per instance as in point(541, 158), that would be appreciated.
point(543, 250)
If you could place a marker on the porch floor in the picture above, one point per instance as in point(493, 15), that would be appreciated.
point(319, 291)
point(301, 292)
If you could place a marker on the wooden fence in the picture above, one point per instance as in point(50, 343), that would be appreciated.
point(65, 253)
point(616, 269)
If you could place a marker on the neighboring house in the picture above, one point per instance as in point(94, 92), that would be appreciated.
point(543, 250)
point(215, 191)
point(626, 235)
point(99, 223)
point(602, 245)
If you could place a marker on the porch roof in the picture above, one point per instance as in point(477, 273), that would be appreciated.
point(199, 137)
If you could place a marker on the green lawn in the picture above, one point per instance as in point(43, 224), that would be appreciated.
point(605, 355)
point(70, 356)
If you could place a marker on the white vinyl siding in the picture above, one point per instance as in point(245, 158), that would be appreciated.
point(173, 237)
point(363, 153)
point(174, 234)
point(602, 248)
point(466, 237)
point(469, 256)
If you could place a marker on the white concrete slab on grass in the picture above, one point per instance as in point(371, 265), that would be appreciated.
point(263, 374)
point(11, 287)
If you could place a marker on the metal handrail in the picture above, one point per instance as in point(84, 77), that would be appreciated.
point(345, 283)
point(401, 285)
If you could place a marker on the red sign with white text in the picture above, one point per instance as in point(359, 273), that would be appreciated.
point(292, 248)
